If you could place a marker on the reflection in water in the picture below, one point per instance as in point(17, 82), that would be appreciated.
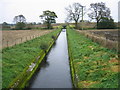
point(53, 45)
point(44, 64)
point(54, 71)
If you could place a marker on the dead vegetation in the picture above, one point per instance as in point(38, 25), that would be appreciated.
point(86, 84)
point(107, 38)
point(13, 37)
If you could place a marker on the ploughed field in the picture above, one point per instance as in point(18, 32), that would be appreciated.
point(111, 34)
point(12, 37)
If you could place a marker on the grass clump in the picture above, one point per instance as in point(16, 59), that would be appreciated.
point(44, 46)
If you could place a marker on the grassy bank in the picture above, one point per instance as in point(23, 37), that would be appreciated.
point(94, 66)
point(15, 59)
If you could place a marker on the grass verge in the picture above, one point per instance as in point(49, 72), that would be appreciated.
point(94, 66)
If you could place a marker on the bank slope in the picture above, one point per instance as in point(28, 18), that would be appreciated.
point(15, 59)
point(93, 66)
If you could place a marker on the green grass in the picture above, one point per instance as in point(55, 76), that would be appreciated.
point(16, 58)
point(95, 66)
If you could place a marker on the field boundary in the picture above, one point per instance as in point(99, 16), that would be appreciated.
point(10, 43)
point(101, 40)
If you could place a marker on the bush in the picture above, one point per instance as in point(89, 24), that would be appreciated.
point(29, 26)
point(106, 23)
point(53, 37)
point(20, 25)
point(44, 46)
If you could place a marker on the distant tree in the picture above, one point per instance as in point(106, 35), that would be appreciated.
point(48, 18)
point(4, 23)
point(74, 13)
point(19, 18)
point(39, 23)
point(29, 25)
point(20, 25)
point(20, 22)
point(34, 23)
point(106, 23)
point(98, 11)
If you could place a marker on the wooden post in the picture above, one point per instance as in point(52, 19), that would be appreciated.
point(7, 43)
point(26, 38)
point(21, 40)
point(15, 41)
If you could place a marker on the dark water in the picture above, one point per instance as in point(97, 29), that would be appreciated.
point(55, 70)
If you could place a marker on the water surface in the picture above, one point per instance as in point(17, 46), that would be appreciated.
point(54, 72)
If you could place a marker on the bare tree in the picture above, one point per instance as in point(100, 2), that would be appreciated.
point(19, 18)
point(74, 13)
point(20, 22)
point(98, 11)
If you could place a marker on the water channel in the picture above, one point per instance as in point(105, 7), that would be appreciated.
point(54, 72)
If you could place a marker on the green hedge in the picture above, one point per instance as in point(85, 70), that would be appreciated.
point(107, 23)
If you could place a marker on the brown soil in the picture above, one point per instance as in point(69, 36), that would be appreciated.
point(86, 84)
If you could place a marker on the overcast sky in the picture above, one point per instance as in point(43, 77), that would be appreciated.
point(31, 9)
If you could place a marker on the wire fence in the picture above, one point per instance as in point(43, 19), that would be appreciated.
point(12, 42)
point(106, 41)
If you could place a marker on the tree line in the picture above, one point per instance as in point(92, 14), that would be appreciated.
point(75, 12)
point(98, 12)
point(48, 17)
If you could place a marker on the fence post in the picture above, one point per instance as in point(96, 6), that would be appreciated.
point(21, 40)
point(7, 43)
point(106, 39)
point(15, 41)
point(26, 38)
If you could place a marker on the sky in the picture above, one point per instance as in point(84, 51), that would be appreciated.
point(119, 11)
point(32, 9)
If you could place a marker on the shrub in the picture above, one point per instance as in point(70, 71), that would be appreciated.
point(20, 25)
point(44, 46)
point(29, 26)
point(53, 37)
point(106, 23)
